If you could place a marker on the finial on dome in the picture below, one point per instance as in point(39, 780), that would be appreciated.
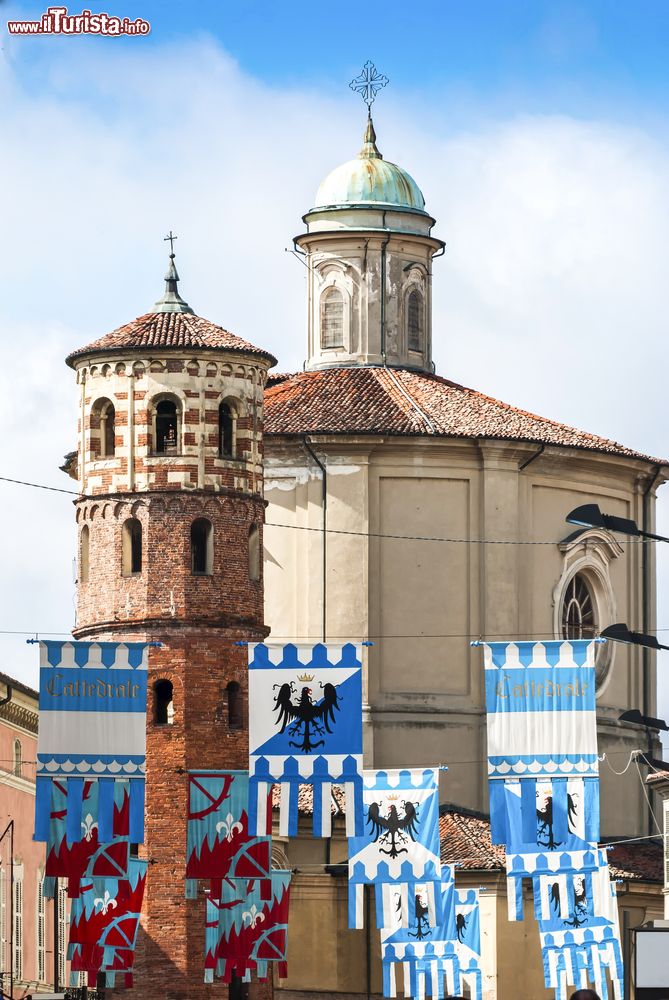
point(370, 150)
point(171, 301)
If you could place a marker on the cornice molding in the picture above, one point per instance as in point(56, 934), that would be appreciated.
point(20, 716)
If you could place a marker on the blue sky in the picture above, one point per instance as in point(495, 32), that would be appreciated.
point(538, 132)
point(572, 58)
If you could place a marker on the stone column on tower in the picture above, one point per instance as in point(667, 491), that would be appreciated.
point(170, 526)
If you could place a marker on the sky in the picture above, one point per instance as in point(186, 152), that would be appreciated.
point(538, 133)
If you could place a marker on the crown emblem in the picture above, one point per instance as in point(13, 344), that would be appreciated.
point(393, 798)
point(305, 677)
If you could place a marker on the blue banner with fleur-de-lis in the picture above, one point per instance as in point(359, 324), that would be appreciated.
point(218, 842)
point(104, 923)
point(399, 848)
point(247, 935)
point(305, 728)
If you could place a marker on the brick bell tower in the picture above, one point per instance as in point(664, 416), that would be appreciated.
point(170, 532)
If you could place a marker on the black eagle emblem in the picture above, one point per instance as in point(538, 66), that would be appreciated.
point(461, 927)
point(393, 831)
point(545, 834)
point(421, 919)
point(555, 896)
point(306, 718)
point(581, 915)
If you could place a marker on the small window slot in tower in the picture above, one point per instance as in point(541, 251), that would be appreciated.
point(132, 547)
point(226, 431)
point(254, 553)
point(84, 554)
point(235, 706)
point(202, 547)
point(163, 703)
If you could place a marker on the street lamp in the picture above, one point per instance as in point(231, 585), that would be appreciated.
point(620, 633)
point(635, 716)
point(590, 516)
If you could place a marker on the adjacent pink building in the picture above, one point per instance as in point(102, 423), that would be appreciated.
point(26, 917)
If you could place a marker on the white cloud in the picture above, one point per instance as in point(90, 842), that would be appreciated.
point(551, 294)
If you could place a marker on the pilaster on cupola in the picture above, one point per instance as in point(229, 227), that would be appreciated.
point(170, 523)
point(369, 249)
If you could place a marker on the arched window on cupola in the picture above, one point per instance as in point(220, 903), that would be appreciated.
point(167, 428)
point(163, 703)
point(131, 547)
point(103, 429)
point(415, 321)
point(332, 318)
point(226, 431)
point(202, 547)
point(108, 430)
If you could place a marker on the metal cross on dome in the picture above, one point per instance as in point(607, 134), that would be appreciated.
point(368, 83)
point(171, 238)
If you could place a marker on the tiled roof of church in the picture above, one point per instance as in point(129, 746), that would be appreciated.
point(375, 400)
point(171, 330)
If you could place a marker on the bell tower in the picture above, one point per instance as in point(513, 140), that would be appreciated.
point(170, 526)
point(369, 248)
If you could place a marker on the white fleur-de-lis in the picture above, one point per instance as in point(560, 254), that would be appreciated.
point(228, 826)
point(254, 915)
point(88, 826)
point(108, 903)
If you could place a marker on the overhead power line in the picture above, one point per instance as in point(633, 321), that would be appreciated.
point(340, 531)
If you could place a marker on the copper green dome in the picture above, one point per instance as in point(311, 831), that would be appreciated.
point(370, 180)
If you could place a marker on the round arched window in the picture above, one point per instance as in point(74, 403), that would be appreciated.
point(581, 615)
point(578, 617)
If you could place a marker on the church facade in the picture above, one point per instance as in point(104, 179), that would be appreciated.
point(421, 515)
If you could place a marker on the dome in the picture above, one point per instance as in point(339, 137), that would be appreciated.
point(370, 180)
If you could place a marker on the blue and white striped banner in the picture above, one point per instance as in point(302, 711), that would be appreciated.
point(92, 709)
point(540, 699)
point(92, 725)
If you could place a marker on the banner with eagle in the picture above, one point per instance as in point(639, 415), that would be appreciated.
point(544, 803)
point(246, 934)
point(582, 959)
point(218, 842)
point(581, 946)
point(305, 728)
point(399, 848)
point(435, 961)
point(406, 945)
point(92, 710)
